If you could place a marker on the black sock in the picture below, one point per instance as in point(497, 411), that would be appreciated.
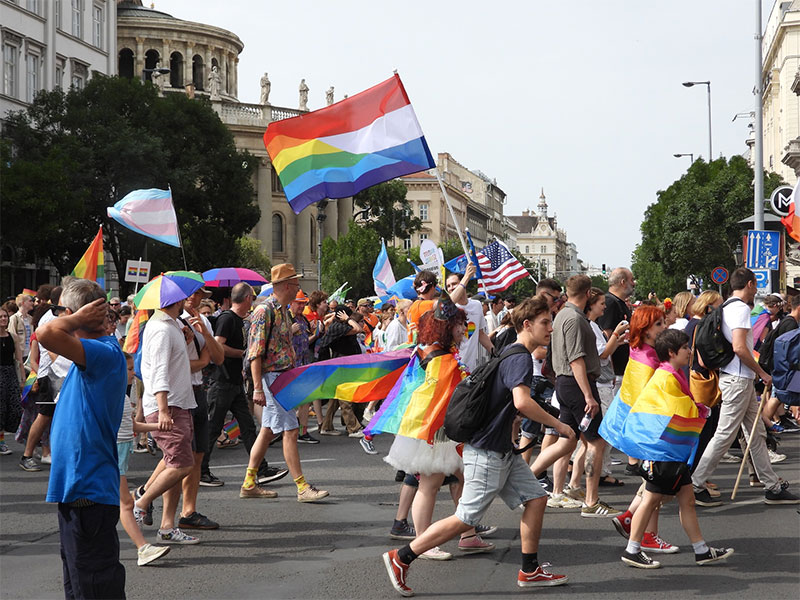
point(530, 562)
point(540, 475)
point(399, 522)
point(406, 554)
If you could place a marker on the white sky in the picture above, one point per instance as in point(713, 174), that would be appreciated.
point(581, 98)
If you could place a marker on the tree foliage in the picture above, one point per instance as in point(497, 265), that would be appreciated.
point(388, 211)
point(694, 225)
point(250, 255)
point(72, 154)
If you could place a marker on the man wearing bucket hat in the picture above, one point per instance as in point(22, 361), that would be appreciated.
point(269, 353)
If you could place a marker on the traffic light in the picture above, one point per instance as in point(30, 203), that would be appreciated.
point(603, 268)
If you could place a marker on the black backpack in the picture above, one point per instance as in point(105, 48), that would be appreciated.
point(767, 349)
point(709, 341)
point(467, 412)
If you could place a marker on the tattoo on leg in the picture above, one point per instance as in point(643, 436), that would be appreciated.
point(589, 463)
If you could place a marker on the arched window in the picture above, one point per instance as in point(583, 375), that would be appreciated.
point(125, 63)
point(176, 70)
point(151, 59)
point(198, 75)
point(277, 233)
point(527, 251)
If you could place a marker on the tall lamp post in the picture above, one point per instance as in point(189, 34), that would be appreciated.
point(689, 84)
point(690, 155)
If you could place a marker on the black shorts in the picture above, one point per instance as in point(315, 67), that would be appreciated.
point(200, 421)
point(668, 489)
point(43, 399)
point(573, 406)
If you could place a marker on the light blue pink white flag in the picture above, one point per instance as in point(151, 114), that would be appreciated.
point(148, 212)
point(382, 274)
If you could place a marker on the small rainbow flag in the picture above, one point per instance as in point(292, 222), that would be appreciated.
point(134, 335)
point(417, 403)
point(92, 263)
point(232, 429)
point(26, 388)
point(358, 378)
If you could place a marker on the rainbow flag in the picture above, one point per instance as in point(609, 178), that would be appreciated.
point(92, 263)
point(358, 378)
point(416, 405)
point(26, 387)
point(642, 363)
point(663, 423)
point(134, 336)
point(232, 429)
point(349, 146)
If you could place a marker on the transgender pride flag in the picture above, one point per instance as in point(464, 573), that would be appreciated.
point(337, 151)
point(149, 212)
point(382, 274)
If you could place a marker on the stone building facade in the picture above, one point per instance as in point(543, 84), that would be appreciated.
point(542, 242)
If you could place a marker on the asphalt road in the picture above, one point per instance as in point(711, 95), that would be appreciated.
point(282, 549)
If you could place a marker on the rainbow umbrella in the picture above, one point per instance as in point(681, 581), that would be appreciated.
point(230, 276)
point(168, 288)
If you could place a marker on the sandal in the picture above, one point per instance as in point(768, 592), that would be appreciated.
point(613, 482)
point(227, 442)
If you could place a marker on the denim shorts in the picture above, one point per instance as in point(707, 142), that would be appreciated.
point(124, 450)
point(488, 474)
point(273, 415)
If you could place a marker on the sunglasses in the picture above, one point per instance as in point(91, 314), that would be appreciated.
point(114, 304)
point(57, 309)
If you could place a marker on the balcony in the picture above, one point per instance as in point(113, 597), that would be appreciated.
point(792, 156)
point(256, 115)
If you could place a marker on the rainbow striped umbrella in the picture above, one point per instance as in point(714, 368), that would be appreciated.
point(168, 288)
point(230, 276)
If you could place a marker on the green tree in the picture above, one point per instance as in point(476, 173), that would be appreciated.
point(351, 258)
point(599, 281)
point(693, 226)
point(388, 211)
point(72, 154)
point(251, 255)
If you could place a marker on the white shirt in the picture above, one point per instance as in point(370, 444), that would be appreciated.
point(736, 315)
point(125, 433)
point(476, 322)
point(679, 324)
point(396, 334)
point(55, 370)
point(197, 376)
point(492, 322)
point(165, 364)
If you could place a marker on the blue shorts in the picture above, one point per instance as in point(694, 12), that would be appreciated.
point(124, 450)
point(273, 415)
point(489, 474)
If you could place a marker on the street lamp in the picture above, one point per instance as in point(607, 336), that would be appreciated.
point(690, 155)
point(689, 84)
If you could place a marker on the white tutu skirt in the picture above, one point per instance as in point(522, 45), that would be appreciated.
point(417, 456)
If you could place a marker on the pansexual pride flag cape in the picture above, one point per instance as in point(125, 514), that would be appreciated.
point(92, 263)
point(149, 212)
point(642, 363)
point(349, 146)
point(358, 378)
point(416, 405)
point(664, 423)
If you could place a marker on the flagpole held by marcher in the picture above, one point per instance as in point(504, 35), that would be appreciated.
point(452, 212)
point(756, 423)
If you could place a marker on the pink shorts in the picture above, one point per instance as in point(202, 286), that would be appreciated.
point(176, 444)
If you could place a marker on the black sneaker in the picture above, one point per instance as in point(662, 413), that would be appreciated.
point(782, 496)
point(640, 560)
point(278, 437)
point(210, 480)
point(269, 474)
point(28, 463)
point(789, 424)
point(632, 469)
point(547, 484)
point(703, 498)
point(401, 530)
point(306, 438)
point(197, 521)
point(713, 555)
point(148, 517)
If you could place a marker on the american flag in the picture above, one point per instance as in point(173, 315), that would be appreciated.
point(499, 267)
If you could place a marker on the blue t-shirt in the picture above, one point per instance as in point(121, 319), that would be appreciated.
point(83, 436)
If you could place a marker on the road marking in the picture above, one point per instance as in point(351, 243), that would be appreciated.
point(310, 460)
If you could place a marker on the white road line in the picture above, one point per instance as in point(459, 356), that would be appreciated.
point(310, 460)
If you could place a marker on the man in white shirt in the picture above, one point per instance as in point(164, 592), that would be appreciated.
point(739, 402)
point(475, 334)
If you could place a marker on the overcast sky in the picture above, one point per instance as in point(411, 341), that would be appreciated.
point(581, 98)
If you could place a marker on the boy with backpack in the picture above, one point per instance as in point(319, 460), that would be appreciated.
point(491, 468)
point(767, 361)
point(739, 401)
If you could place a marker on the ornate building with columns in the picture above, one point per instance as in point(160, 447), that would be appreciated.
point(202, 61)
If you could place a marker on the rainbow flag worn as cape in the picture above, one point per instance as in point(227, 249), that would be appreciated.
point(134, 336)
point(339, 150)
point(26, 387)
point(417, 404)
point(92, 263)
point(357, 378)
point(642, 363)
point(664, 423)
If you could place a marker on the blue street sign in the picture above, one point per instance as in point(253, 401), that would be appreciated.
point(763, 281)
point(719, 275)
point(763, 249)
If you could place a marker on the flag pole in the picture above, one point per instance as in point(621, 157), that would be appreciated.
point(178, 228)
point(452, 212)
point(480, 279)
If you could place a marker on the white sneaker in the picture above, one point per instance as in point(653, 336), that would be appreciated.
point(176, 536)
point(774, 457)
point(562, 501)
point(368, 414)
point(46, 460)
point(148, 553)
point(436, 554)
point(356, 434)
point(730, 458)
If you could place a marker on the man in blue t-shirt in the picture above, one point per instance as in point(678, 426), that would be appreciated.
point(84, 477)
point(492, 469)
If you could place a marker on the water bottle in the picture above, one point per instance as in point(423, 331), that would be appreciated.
point(587, 418)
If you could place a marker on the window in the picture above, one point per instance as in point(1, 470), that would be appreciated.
point(276, 182)
point(197, 72)
point(407, 244)
point(10, 67)
point(277, 233)
point(544, 249)
point(527, 251)
point(34, 6)
point(77, 17)
point(33, 79)
point(423, 237)
point(58, 13)
point(313, 236)
point(125, 63)
point(98, 25)
point(58, 81)
point(176, 70)
point(77, 81)
point(423, 211)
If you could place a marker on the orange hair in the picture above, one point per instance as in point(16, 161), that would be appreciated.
point(643, 319)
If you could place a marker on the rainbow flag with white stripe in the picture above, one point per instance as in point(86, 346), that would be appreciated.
point(92, 264)
point(149, 212)
point(337, 151)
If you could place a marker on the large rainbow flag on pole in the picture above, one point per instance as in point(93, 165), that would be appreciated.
point(337, 151)
point(149, 212)
point(92, 263)
point(358, 378)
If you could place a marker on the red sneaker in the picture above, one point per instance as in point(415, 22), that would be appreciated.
point(652, 543)
point(397, 571)
point(541, 577)
point(622, 524)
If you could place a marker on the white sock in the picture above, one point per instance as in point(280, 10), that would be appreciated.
point(633, 547)
point(164, 531)
point(700, 547)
